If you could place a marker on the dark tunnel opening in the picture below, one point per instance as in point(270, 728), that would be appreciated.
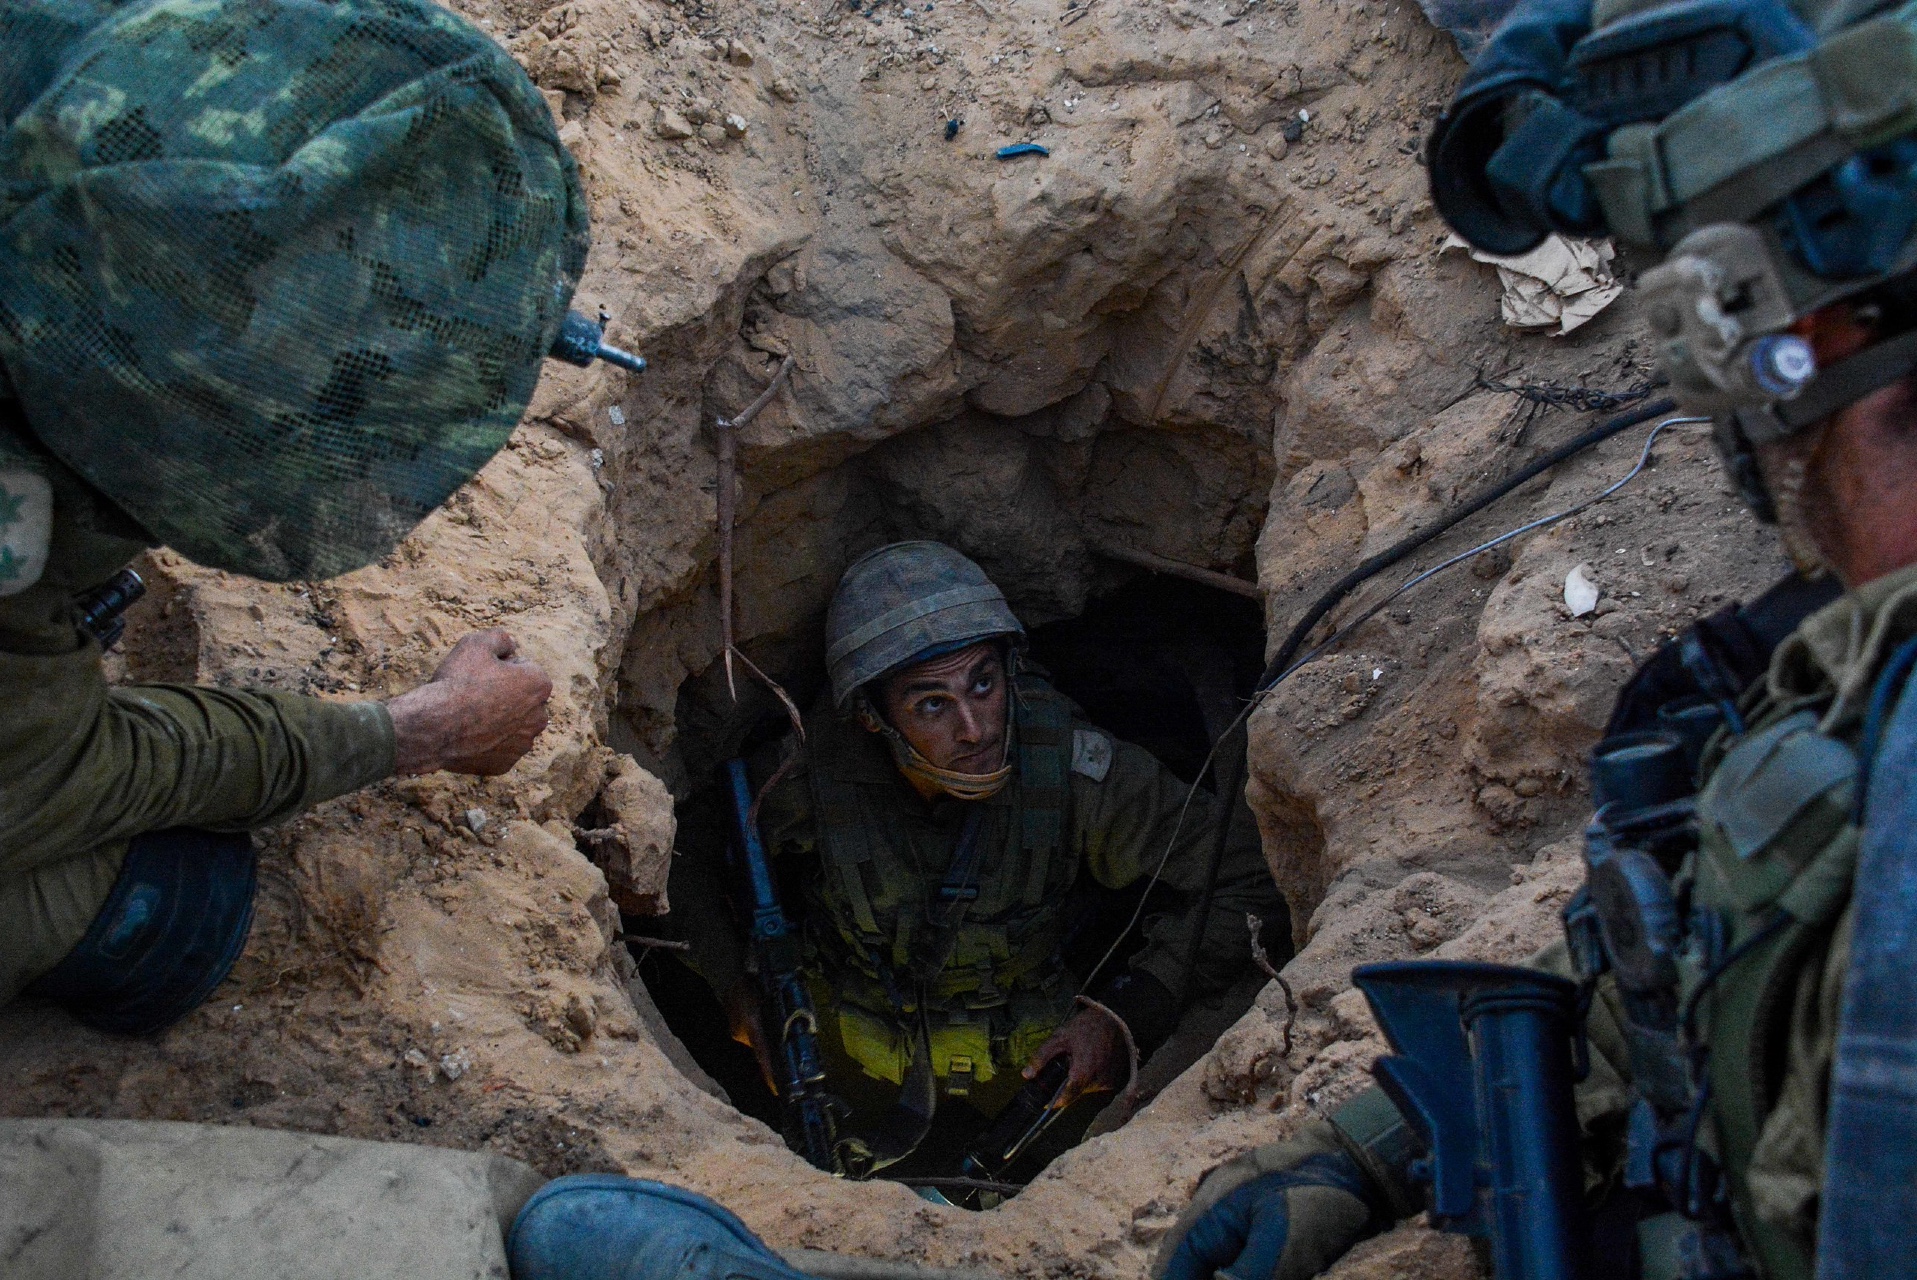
point(1159, 662)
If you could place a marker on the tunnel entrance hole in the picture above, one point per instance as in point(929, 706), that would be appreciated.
point(1158, 661)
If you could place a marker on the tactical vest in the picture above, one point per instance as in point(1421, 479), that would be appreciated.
point(1777, 847)
point(1707, 961)
point(1004, 989)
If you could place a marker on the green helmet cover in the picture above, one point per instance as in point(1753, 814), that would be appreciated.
point(899, 602)
point(276, 276)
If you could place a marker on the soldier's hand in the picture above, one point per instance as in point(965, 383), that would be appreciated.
point(1253, 1222)
point(1096, 1048)
point(479, 713)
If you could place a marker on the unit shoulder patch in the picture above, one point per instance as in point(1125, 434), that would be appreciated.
point(26, 529)
point(1091, 754)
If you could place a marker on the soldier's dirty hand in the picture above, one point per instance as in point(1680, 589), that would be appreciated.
point(1096, 1048)
point(479, 713)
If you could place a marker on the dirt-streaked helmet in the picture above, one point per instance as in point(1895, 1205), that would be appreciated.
point(905, 603)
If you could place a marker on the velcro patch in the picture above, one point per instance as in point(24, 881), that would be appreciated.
point(1091, 754)
point(26, 529)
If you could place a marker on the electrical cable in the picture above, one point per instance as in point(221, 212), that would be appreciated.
point(1398, 551)
point(1643, 460)
point(1283, 666)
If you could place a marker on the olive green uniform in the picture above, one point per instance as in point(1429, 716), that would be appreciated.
point(874, 853)
point(1777, 848)
point(1776, 836)
point(85, 767)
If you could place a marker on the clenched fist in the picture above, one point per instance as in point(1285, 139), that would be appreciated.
point(480, 713)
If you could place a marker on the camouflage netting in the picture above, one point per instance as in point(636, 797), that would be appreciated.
point(277, 276)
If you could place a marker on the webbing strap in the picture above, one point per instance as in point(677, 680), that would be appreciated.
point(1736, 150)
point(1044, 746)
point(1870, 1158)
point(846, 845)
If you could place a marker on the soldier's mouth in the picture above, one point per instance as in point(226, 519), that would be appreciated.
point(984, 760)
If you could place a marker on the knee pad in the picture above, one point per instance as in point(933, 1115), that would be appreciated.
point(167, 934)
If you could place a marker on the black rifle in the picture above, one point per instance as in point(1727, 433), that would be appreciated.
point(1483, 1076)
point(809, 1125)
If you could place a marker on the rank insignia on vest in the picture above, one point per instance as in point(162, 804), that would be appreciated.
point(1091, 754)
point(26, 529)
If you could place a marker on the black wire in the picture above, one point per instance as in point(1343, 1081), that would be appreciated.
point(1391, 555)
point(1232, 776)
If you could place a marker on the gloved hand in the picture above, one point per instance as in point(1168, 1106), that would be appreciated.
point(1278, 1213)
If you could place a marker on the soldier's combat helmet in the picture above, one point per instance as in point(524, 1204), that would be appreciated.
point(276, 276)
point(904, 603)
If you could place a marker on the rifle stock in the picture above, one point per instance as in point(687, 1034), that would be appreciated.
point(809, 1124)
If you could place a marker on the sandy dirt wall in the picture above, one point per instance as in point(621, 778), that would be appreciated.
point(1214, 323)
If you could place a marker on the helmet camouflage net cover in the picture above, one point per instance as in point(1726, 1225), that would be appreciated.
point(905, 601)
point(276, 276)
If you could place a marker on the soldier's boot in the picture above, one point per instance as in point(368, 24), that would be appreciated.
point(605, 1227)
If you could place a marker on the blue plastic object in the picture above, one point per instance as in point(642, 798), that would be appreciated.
point(599, 1226)
point(1023, 149)
point(581, 341)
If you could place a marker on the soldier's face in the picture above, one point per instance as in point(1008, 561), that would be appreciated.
point(952, 709)
point(1844, 489)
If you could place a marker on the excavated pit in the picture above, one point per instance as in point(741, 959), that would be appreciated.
point(1215, 324)
point(1158, 660)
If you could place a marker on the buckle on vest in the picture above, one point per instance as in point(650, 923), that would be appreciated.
point(958, 1080)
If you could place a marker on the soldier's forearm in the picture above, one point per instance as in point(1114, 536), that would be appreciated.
point(84, 765)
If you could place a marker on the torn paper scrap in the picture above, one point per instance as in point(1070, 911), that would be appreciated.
point(1580, 593)
point(1558, 286)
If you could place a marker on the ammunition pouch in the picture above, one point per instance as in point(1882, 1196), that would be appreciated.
point(968, 1048)
point(169, 932)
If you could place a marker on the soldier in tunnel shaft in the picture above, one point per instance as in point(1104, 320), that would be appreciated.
point(950, 811)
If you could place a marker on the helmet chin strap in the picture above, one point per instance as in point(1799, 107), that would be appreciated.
point(1784, 469)
point(919, 770)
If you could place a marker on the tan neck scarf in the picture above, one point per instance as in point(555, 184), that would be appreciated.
point(960, 786)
